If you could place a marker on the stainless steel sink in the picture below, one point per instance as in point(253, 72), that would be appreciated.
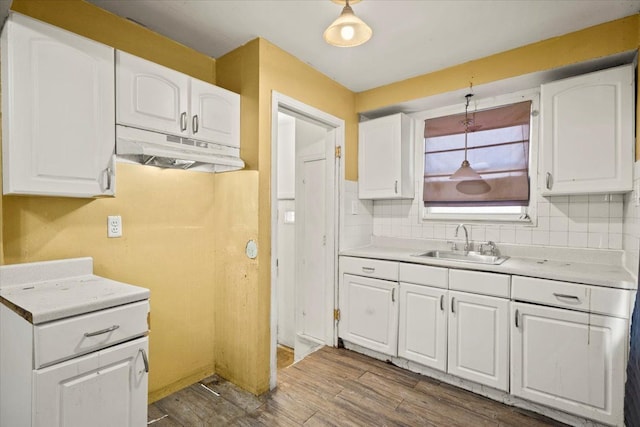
point(470, 256)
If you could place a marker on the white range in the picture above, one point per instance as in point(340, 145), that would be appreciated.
point(73, 347)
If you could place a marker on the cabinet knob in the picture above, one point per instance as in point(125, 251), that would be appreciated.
point(395, 187)
point(453, 305)
point(516, 319)
point(549, 181)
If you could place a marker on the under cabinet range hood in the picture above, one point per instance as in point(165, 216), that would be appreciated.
point(169, 151)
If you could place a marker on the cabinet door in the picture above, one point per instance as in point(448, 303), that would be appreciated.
point(103, 389)
point(58, 112)
point(588, 133)
point(385, 158)
point(150, 96)
point(369, 313)
point(569, 360)
point(215, 114)
point(422, 331)
point(479, 339)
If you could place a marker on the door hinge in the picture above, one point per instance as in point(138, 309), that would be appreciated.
point(336, 314)
point(338, 152)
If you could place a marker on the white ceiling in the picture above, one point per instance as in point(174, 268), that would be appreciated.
point(410, 37)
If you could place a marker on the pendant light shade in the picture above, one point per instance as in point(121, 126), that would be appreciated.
point(470, 181)
point(348, 30)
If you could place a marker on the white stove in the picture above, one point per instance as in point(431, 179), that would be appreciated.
point(51, 290)
point(73, 347)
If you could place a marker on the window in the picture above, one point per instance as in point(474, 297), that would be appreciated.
point(500, 137)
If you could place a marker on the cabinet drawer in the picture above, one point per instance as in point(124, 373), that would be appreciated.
point(594, 299)
point(476, 282)
point(370, 268)
point(424, 275)
point(68, 338)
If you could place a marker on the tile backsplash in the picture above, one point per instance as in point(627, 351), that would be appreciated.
point(594, 221)
point(604, 221)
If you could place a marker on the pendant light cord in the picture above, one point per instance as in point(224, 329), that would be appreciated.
point(466, 123)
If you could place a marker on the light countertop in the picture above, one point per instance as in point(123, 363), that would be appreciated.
point(609, 275)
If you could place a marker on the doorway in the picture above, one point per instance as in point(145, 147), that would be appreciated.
point(305, 203)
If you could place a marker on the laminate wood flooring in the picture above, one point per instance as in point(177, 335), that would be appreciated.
point(338, 387)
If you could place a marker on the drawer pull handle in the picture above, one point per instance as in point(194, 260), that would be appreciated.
point(101, 331)
point(441, 302)
point(573, 297)
point(453, 305)
point(368, 269)
point(517, 323)
point(145, 360)
point(393, 295)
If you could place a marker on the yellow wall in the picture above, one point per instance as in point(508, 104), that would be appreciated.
point(255, 70)
point(168, 217)
point(601, 40)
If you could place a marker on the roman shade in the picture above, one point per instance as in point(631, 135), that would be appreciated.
point(498, 149)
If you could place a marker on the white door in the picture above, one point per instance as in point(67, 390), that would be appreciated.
point(422, 329)
point(569, 360)
point(58, 129)
point(150, 96)
point(479, 339)
point(369, 313)
point(103, 389)
point(215, 114)
point(312, 234)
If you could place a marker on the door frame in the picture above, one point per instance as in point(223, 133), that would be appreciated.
point(280, 101)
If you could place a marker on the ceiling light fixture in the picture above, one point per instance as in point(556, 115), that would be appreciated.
point(348, 30)
point(470, 181)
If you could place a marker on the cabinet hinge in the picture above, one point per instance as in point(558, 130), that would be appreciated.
point(336, 314)
point(338, 152)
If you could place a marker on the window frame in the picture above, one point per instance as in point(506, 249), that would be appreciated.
point(526, 214)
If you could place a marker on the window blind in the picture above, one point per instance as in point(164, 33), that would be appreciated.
point(497, 148)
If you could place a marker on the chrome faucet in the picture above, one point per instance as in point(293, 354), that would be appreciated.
point(466, 236)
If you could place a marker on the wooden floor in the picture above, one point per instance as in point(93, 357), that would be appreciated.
point(337, 387)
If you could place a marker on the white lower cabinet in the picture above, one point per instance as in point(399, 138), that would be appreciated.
point(422, 331)
point(369, 313)
point(569, 360)
point(479, 339)
point(103, 389)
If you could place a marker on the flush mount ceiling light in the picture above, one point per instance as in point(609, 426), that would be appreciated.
point(348, 30)
point(470, 181)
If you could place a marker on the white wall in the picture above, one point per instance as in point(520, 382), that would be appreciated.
point(295, 138)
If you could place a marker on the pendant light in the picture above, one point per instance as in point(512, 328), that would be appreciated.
point(470, 181)
point(348, 30)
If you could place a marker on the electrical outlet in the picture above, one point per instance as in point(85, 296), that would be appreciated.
point(114, 226)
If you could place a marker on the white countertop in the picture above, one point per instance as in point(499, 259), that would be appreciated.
point(51, 290)
point(609, 275)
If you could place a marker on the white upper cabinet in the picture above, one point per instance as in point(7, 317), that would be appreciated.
point(385, 158)
point(150, 96)
point(156, 98)
point(587, 133)
point(215, 114)
point(58, 121)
